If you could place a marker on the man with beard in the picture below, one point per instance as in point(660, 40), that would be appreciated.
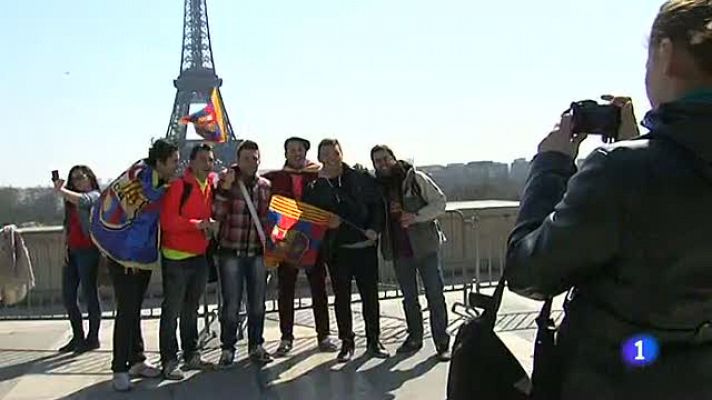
point(290, 182)
point(411, 239)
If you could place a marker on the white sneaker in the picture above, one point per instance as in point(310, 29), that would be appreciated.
point(121, 382)
point(144, 370)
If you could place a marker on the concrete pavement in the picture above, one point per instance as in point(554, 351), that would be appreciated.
point(30, 368)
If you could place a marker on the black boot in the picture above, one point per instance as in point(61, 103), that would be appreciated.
point(75, 345)
point(92, 344)
point(93, 338)
point(81, 346)
point(376, 349)
point(77, 342)
point(347, 351)
point(410, 345)
point(69, 347)
point(443, 352)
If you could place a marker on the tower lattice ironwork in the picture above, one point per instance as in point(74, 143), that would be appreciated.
point(196, 80)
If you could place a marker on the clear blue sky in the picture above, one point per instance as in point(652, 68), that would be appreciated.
point(89, 81)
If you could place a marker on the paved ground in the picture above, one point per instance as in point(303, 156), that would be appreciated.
point(30, 368)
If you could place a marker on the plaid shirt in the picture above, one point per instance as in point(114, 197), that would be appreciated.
point(237, 230)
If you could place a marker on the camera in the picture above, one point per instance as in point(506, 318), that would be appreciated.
point(55, 175)
point(596, 119)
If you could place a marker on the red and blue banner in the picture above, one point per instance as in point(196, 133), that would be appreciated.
point(124, 221)
point(294, 233)
point(210, 122)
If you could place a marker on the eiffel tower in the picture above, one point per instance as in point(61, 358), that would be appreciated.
point(195, 82)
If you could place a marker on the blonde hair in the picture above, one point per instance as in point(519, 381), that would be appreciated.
point(687, 23)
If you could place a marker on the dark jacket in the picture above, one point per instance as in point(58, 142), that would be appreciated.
point(358, 201)
point(631, 232)
point(422, 197)
point(281, 180)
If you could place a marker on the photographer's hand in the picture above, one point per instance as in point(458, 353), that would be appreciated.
point(561, 140)
point(629, 124)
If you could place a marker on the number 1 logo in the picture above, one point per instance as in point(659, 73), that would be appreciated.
point(640, 356)
point(640, 350)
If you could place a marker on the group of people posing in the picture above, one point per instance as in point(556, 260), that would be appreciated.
point(627, 235)
point(149, 219)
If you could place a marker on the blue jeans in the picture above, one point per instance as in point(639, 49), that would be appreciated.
point(236, 273)
point(432, 277)
point(183, 285)
point(82, 268)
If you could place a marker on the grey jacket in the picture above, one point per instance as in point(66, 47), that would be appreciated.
point(84, 210)
point(422, 197)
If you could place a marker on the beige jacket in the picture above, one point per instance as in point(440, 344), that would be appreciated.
point(16, 276)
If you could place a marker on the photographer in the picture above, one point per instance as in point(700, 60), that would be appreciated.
point(630, 231)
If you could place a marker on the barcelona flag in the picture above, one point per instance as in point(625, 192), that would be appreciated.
point(295, 232)
point(210, 122)
point(124, 221)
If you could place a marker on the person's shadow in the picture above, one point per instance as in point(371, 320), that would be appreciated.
point(351, 381)
point(17, 363)
point(295, 378)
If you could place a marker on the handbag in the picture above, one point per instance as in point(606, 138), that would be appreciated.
point(483, 368)
point(546, 374)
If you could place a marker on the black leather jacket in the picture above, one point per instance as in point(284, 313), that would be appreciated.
point(631, 232)
point(355, 197)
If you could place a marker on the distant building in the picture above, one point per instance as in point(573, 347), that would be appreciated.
point(519, 170)
point(486, 172)
point(455, 167)
point(437, 172)
point(431, 168)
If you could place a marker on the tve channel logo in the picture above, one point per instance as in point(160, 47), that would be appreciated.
point(640, 350)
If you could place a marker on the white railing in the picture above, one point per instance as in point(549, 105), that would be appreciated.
point(473, 258)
